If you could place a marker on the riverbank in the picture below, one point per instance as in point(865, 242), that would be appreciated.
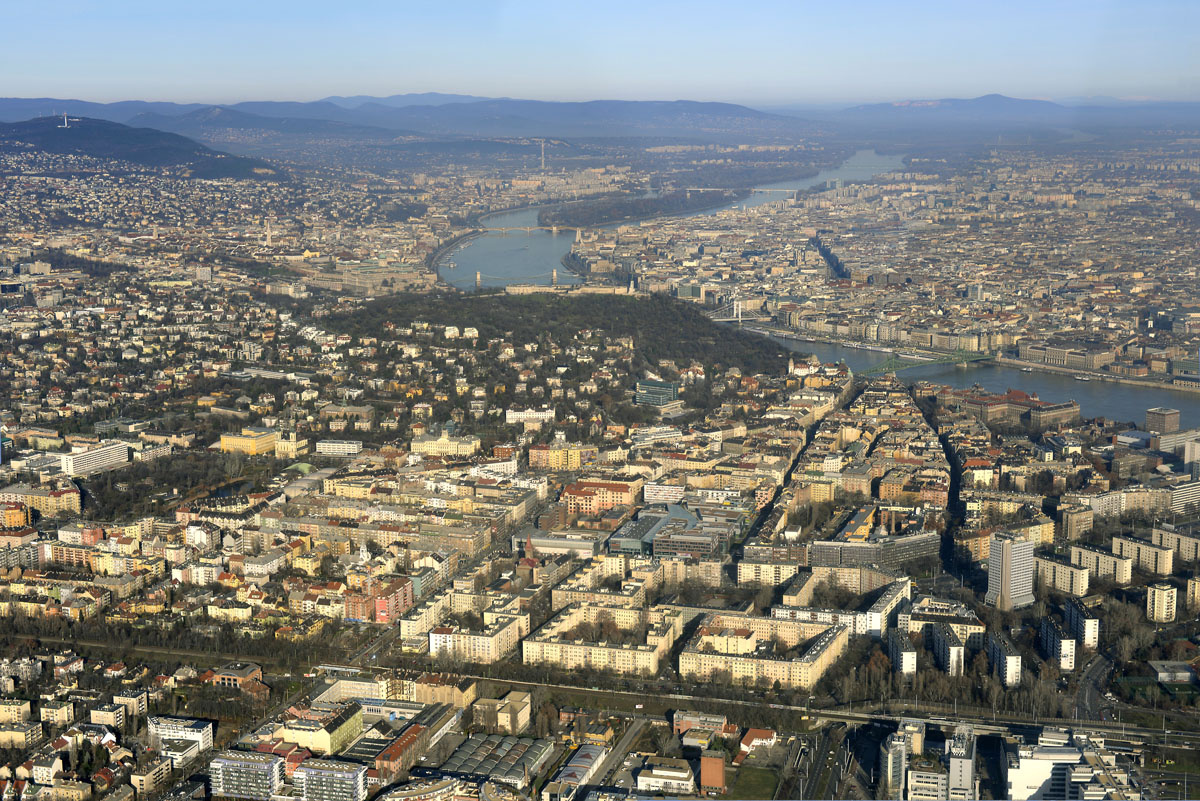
point(435, 258)
point(534, 257)
point(872, 347)
point(1006, 361)
point(728, 196)
point(795, 336)
point(1094, 375)
point(438, 258)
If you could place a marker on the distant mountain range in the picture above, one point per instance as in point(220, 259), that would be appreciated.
point(990, 105)
point(445, 116)
point(400, 101)
point(147, 147)
point(452, 115)
point(204, 121)
point(992, 110)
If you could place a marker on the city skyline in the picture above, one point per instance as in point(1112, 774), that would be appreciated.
point(775, 55)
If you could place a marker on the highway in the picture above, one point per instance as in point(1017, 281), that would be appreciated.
point(820, 762)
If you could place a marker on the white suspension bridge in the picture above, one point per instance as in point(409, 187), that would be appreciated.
point(736, 312)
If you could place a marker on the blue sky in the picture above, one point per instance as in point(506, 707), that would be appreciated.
point(760, 53)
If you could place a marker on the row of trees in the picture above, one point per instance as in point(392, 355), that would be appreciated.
point(865, 674)
point(222, 641)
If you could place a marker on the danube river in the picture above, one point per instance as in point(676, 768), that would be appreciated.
point(1096, 398)
point(517, 257)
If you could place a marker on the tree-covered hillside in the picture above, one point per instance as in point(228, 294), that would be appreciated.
point(661, 327)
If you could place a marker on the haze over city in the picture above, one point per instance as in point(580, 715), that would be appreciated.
point(525, 401)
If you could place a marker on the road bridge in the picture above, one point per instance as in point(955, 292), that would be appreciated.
point(726, 189)
point(528, 229)
point(736, 312)
point(900, 361)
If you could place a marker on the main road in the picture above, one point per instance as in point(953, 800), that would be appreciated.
point(1095, 675)
point(618, 752)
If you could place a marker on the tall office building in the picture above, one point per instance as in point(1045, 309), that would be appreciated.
point(1010, 572)
point(960, 756)
point(1160, 603)
point(1161, 420)
point(893, 761)
point(330, 780)
point(246, 775)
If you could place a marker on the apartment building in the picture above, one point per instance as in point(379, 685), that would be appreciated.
point(597, 497)
point(47, 500)
point(1083, 624)
point(765, 573)
point(1057, 645)
point(559, 641)
point(149, 777)
point(902, 652)
point(720, 647)
point(948, 649)
point(928, 612)
point(1061, 575)
point(112, 715)
point(14, 710)
point(246, 775)
point(1156, 559)
point(1160, 603)
point(328, 780)
point(1103, 564)
point(562, 456)
point(1184, 540)
point(500, 636)
point(1005, 659)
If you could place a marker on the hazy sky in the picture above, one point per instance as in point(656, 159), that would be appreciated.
point(751, 52)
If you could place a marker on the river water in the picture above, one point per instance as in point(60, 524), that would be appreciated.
point(517, 257)
point(1096, 398)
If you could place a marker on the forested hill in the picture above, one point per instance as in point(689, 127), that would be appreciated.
point(111, 141)
point(661, 327)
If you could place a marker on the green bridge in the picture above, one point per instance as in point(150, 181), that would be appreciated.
point(896, 363)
